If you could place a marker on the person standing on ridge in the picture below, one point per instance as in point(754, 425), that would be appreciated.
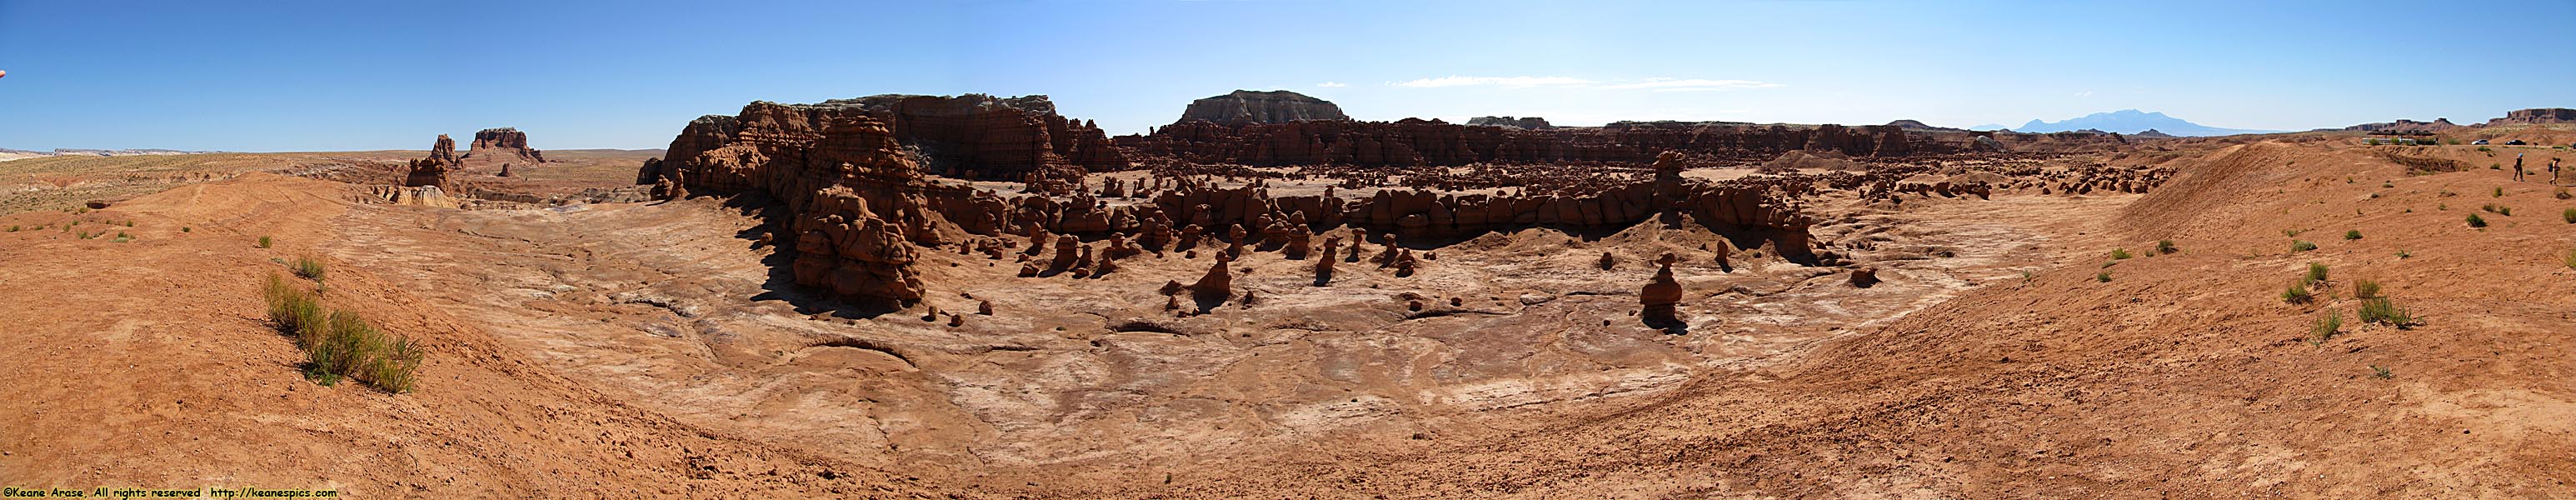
point(2553, 170)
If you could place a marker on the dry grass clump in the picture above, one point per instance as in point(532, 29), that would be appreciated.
point(2363, 289)
point(2301, 246)
point(2569, 215)
point(263, 242)
point(339, 343)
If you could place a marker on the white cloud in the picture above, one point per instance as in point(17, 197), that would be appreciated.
point(2087, 93)
point(1692, 84)
point(1499, 81)
point(1650, 84)
point(1332, 84)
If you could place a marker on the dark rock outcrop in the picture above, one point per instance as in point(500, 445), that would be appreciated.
point(2536, 116)
point(434, 170)
point(1530, 123)
point(1243, 107)
point(501, 146)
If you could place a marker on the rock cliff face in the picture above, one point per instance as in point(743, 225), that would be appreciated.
point(2536, 115)
point(1415, 142)
point(1530, 123)
point(2406, 126)
point(502, 146)
point(1243, 107)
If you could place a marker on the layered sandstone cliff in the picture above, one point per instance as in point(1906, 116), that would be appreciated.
point(1243, 107)
point(1530, 123)
point(2536, 116)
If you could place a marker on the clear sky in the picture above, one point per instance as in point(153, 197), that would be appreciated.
point(357, 75)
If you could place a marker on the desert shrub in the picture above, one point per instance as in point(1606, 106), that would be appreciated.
point(2326, 327)
point(307, 268)
point(263, 242)
point(121, 237)
point(2381, 372)
point(2569, 215)
point(2164, 246)
point(2476, 221)
point(2499, 192)
point(2402, 254)
point(2381, 310)
point(2316, 272)
point(2363, 289)
point(338, 343)
point(2301, 246)
point(184, 229)
point(391, 369)
point(2104, 277)
point(2352, 234)
point(2297, 293)
point(293, 310)
point(348, 343)
point(2571, 259)
point(2484, 149)
point(2120, 254)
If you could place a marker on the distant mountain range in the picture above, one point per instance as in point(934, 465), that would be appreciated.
point(2126, 121)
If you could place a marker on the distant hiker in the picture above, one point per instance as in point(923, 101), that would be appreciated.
point(2517, 167)
point(2553, 170)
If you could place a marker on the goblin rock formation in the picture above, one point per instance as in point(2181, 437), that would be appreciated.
point(1660, 296)
point(1243, 107)
point(1418, 142)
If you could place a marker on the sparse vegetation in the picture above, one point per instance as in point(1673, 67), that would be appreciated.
point(2326, 327)
point(2498, 209)
point(2401, 253)
point(307, 268)
point(2104, 277)
point(2352, 234)
point(2302, 246)
point(2297, 293)
point(2120, 254)
point(2167, 246)
point(2316, 273)
point(2499, 192)
point(2476, 221)
point(2569, 215)
point(2571, 259)
point(2381, 372)
point(2363, 289)
point(2383, 311)
point(263, 242)
point(184, 229)
point(339, 343)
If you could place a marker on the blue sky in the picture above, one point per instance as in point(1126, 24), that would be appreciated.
point(303, 76)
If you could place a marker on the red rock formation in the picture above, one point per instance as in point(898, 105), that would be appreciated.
point(2536, 115)
point(1660, 296)
point(859, 203)
point(434, 170)
point(1247, 107)
point(1412, 142)
point(501, 146)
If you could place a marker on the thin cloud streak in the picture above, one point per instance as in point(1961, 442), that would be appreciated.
point(1650, 84)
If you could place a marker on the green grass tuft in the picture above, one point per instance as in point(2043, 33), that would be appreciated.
point(2164, 246)
point(2316, 273)
point(2569, 215)
point(2104, 277)
point(2363, 289)
point(2301, 246)
point(308, 268)
point(338, 343)
point(2352, 234)
point(2326, 327)
point(2297, 293)
point(2476, 221)
point(2120, 254)
point(2382, 311)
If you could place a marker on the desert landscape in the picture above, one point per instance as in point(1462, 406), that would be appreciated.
point(983, 296)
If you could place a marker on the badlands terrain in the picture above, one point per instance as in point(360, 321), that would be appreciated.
point(975, 297)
